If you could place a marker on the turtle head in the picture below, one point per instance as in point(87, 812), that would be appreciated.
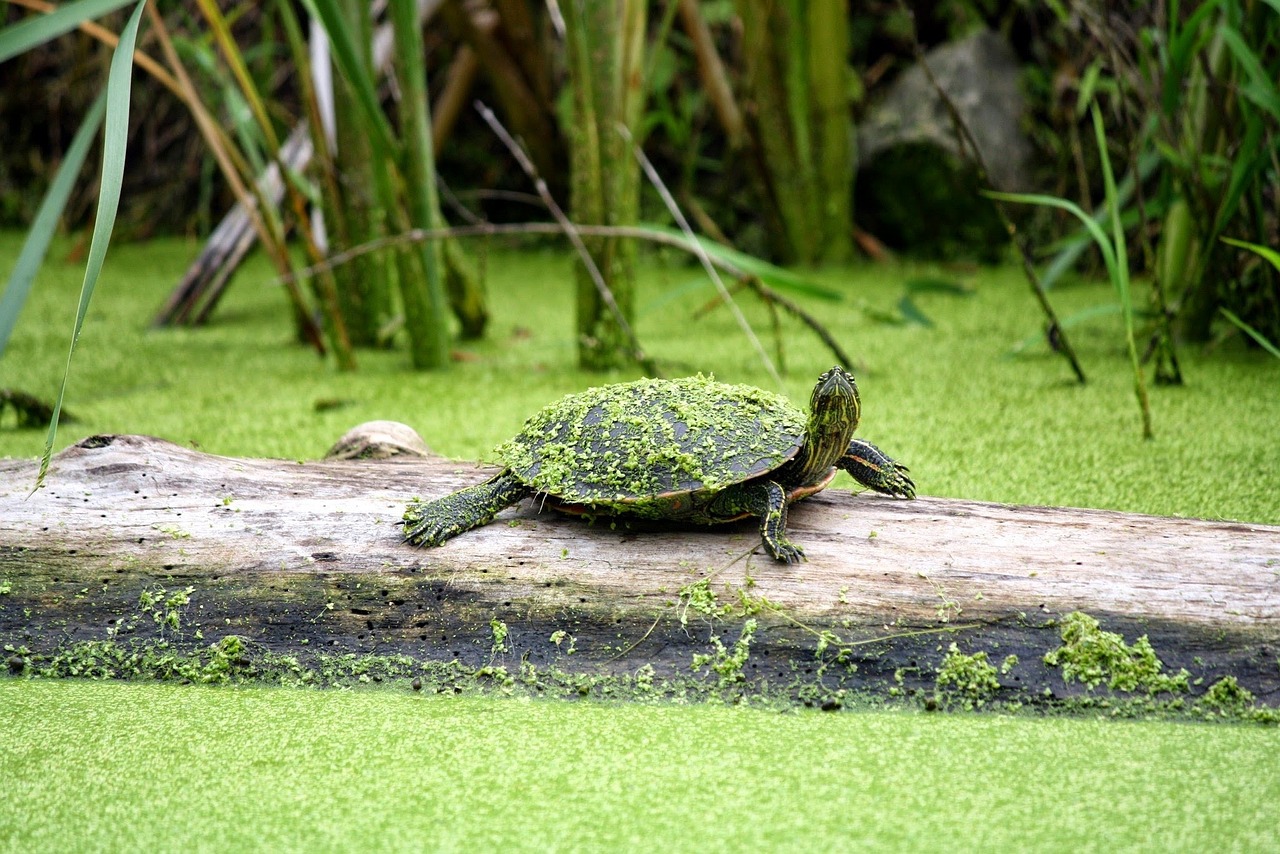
point(834, 410)
point(834, 404)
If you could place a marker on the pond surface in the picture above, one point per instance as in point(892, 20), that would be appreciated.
point(120, 766)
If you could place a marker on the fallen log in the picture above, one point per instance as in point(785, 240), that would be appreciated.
point(307, 557)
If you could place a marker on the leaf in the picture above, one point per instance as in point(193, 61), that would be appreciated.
point(1252, 333)
point(38, 29)
point(1095, 230)
point(1075, 244)
point(45, 225)
point(115, 138)
point(1265, 251)
point(1261, 88)
point(771, 274)
point(912, 313)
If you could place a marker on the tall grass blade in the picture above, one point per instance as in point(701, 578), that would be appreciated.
point(772, 275)
point(1261, 88)
point(1266, 252)
point(38, 29)
point(1095, 230)
point(1114, 255)
point(1121, 278)
point(46, 222)
point(114, 141)
point(1251, 332)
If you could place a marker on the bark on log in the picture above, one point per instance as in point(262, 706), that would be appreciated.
point(289, 553)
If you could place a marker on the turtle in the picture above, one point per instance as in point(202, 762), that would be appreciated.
point(691, 450)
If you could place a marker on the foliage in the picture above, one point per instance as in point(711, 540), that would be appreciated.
point(1194, 103)
point(1092, 656)
point(1115, 254)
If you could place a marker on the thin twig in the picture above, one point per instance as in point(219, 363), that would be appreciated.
point(1057, 335)
point(674, 210)
point(489, 229)
point(572, 232)
point(769, 295)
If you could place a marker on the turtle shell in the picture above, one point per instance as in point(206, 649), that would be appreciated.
point(652, 443)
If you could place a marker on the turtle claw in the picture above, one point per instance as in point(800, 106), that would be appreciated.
point(422, 528)
point(786, 552)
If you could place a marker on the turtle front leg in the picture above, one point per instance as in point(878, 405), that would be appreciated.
point(872, 468)
point(768, 501)
point(430, 523)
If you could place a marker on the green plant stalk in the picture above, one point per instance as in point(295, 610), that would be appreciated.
point(326, 290)
point(605, 56)
point(781, 164)
point(357, 73)
point(833, 137)
point(322, 159)
point(115, 138)
point(45, 225)
point(426, 310)
point(1121, 271)
point(235, 60)
point(791, 40)
point(367, 291)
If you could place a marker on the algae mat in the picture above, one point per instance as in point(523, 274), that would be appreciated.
point(119, 766)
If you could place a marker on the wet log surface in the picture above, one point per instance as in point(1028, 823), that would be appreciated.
point(307, 556)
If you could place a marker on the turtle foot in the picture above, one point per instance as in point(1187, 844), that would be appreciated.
point(872, 468)
point(432, 523)
point(786, 552)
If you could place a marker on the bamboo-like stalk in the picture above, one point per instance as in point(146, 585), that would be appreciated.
point(833, 138)
point(424, 300)
point(605, 47)
point(770, 78)
point(367, 286)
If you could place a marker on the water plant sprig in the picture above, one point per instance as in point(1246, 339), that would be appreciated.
point(1114, 251)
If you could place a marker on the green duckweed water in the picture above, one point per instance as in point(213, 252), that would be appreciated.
point(112, 766)
point(136, 766)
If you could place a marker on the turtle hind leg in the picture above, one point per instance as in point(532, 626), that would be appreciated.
point(431, 523)
point(874, 469)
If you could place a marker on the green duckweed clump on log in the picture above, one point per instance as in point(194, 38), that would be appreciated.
point(1091, 656)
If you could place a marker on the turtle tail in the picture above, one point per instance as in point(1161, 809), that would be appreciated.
point(872, 468)
point(431, 523)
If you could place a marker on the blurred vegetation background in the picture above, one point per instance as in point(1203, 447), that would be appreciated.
point(758, 114)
